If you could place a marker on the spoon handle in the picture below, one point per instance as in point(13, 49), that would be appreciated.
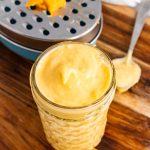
point(139, 23)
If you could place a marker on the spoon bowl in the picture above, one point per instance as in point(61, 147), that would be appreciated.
point(127, 74)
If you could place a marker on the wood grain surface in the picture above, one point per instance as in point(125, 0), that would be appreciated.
point(128, 126)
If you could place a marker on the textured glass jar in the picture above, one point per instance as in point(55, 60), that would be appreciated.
point(73, 128)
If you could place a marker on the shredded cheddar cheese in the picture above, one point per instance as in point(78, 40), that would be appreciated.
point(50, 5)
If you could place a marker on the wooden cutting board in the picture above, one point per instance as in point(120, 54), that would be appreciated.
point(128, 126)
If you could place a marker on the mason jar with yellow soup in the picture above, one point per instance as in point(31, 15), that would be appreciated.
point(73, 85)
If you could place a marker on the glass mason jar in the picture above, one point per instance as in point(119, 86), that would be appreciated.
point(73, 128)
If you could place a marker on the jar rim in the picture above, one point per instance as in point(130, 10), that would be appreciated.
point(99, 100)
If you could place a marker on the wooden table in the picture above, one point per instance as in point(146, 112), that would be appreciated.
point(128, 126)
